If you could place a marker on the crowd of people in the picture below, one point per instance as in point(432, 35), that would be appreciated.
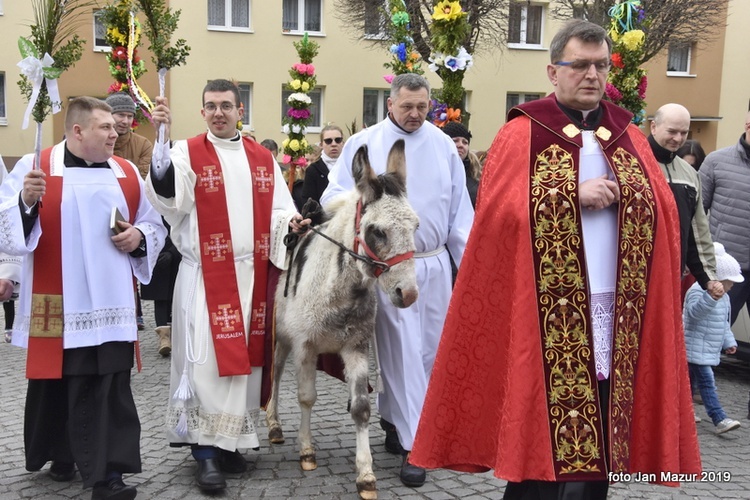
point(565, 320)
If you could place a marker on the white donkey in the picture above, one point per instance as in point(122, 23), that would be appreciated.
point(330, 299)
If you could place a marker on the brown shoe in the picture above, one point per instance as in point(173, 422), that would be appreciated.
point(165, 340)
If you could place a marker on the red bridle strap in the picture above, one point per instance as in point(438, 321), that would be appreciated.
point(379, 265)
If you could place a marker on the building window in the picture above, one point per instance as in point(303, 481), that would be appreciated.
point(515, 98)
point(525, 25)
point(246, 98)
point(678, 59)
point(374, 106)
point(3, 113)
point(302, 15)
point(316, 95)
point(100, 33)
point(229, 14)
point(375, 19)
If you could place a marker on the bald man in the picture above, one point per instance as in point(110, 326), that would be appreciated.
point(669, 131)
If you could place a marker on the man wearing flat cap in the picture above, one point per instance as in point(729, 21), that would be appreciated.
point(129, 145)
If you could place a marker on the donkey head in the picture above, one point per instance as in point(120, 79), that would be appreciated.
point(388, 222)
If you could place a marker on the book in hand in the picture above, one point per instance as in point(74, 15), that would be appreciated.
point(116, 216)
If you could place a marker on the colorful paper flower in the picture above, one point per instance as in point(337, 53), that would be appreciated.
point(447, 11)
point(617, 60)
point(633, 39)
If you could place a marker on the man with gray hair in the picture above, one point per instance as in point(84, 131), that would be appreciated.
point(407, 339)
point(669, 131)
point(562, 361)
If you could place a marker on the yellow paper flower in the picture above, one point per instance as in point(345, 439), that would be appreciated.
point(303, 143)
point(614, 35)
point(294, 145)
point(633, 39)
point(447, 11)
point(284, 143)
point(295, 84)
point(305, 87)
point(115, 33)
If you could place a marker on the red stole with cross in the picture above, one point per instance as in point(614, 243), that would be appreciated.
point(234, 355)
point(45, 350)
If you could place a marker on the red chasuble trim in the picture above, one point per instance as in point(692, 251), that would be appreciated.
point(45, 349)
point(234, 355)
point(574, 416)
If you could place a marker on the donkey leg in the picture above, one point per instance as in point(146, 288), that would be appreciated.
point(306, 396)
point(356, 368)
point(275, 433)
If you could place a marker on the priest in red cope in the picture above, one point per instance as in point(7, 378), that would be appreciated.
point(563, 359)
point(229, 208)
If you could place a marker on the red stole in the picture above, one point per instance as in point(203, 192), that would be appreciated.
point(45, 350)
point(234, 355)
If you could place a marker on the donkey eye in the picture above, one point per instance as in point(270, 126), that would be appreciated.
point(379, 234)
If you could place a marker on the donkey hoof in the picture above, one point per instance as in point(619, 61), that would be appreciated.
point(308, 462)
point(276, 435)
point(367, 490)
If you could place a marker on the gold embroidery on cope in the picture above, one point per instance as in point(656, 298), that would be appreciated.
point(217, 247)
point(571, 130)
point(573, 413)
point(603, 134)
point(46, 316)
point(637, 213)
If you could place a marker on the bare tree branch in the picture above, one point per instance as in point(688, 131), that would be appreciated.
point(668, 21)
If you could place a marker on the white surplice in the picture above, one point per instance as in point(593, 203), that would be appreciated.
point(407, 339)
point(98, 295)
point(223, 411)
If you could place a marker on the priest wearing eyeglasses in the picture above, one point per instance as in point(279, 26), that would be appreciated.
point(562, 363)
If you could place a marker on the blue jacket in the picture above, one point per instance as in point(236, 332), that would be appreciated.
point(707, 330)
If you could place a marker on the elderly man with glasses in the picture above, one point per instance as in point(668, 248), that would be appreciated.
point(227, 203)
point(562, 363)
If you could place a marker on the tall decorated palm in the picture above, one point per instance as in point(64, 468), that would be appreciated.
point(298, 116)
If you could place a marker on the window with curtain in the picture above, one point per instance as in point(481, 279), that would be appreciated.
point(516, 98)
point(229, 14)
point(374, 106)
point(100, 33)
point(246, 98)
point(374, 19)
point(316, 95)
point(678, 58)
point(302, 15)
point(525, 24)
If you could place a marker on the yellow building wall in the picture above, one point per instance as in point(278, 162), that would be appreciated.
point(735, 84)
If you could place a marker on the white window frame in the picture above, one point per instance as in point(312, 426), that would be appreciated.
point(246, 98)
point(382, 104)
point(227, 26)
point(382, 7)
point(524, 26)
point(686, 71)
point(317, 123)
point(301, 20)
point(1, 8)
point(3, 98)
point(522, 98)
point(96, 22)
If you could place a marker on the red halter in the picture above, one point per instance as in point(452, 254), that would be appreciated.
point(375, 261)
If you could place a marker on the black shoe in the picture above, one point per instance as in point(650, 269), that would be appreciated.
point(62, 472)
point(209, 476)
point(411, 475)
point(114, 489)
point(232, 462)
point(392, 444)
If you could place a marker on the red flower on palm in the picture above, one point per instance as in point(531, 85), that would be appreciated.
point(617, 61)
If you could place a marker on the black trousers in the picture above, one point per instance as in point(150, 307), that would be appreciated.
point(87, 418)
point(571, 490)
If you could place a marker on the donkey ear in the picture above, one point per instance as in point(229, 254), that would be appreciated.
point(397, 160)
point(362, 171)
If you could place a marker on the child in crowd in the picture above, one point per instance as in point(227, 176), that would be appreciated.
point(707, 333)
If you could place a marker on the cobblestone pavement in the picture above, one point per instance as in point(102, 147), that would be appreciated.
point(274, 472)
